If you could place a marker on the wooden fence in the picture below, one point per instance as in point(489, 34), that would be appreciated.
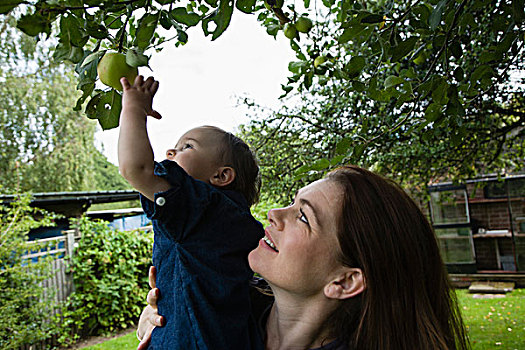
point(60, 285)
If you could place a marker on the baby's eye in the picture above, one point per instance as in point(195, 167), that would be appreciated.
point(186, 146)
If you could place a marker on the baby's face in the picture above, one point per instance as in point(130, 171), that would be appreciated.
point(196, 153)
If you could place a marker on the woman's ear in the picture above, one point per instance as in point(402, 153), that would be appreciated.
point(223, 177)
point(348, 284)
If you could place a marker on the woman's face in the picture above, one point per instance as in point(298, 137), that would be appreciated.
point(300, 248)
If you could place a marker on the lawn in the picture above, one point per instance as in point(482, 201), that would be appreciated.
point(493, 323)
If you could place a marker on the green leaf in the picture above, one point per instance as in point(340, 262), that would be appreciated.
point(221, 17)
point(372, 18)
point(320, 164)
point(246, 6)
point(351, 32)
point(34, 24)
point(433, 112)
point(296, 67)
point(343, 146)
point(8, 5)
point(480, 72)
point(97, 31)
point(518, 10)
point(439, 91)
point(146, 30)
point(86, 88)
point(105, 107)
point(358, 86)
point(181, 15)
point(70, 31)
point(393, 81)
point(435, 16)
point(136, 58)
point(355, 66)
point(403, 49)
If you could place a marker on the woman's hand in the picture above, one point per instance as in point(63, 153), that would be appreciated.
point(149, 318)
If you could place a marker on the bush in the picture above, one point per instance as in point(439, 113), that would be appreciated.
point(110, 273)
point(25, 308)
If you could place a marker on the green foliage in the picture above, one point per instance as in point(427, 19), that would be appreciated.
point(418, 90)
point(44, 144)
point(110, 271)
point(24, 307)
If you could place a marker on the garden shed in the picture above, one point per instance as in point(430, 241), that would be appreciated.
point(480, 224)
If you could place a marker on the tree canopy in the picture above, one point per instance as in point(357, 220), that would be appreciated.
point(44, 144)
point(430, 87)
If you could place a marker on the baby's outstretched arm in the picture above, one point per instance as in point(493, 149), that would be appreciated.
point(135, 155)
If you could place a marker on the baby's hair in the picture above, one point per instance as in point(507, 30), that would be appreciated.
point(238, 155)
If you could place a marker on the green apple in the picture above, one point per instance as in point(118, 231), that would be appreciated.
point(319, 60)
point(290, 31)
point(303, 24)
point(112, 67)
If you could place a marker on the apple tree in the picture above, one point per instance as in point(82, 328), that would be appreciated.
point(434, 81)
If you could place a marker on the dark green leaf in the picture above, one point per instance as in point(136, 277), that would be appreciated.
point(393, 81)
point(358, 86)
point(351, 32)
point(97, 31)
point(181, 15)
point(8, 5)
point(221, 17)
point(86, 89)
point(439, 91)
point(34, 24)
point(343, 146)
point(105, 107)
point(433, 112)
point(403, 49)
point(246, 6)
point(70, 31)
point(518, 10)
point(355, 66)
point(480, 72)
point(146, 30)
point(435, 16)
point(372, 18)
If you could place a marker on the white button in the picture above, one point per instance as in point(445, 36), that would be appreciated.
point(160, 201)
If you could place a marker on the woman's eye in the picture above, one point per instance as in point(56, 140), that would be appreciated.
point(303, 217)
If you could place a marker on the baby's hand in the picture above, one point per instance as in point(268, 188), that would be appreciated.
point(140, 95)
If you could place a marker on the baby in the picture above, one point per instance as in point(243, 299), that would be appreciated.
point(199, 201)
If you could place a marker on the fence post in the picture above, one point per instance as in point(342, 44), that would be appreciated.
point(70, 242)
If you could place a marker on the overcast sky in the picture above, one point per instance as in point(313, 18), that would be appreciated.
point(199, 81)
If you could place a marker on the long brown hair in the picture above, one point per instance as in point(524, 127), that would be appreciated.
point(408, 302)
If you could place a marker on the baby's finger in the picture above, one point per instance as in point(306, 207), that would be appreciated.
point(125, 83)
point(155, 114)
point(139, 80)
point(152, 277)
point(148, 82)
point(154, 88)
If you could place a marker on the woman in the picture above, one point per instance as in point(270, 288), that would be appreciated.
point(352, 264)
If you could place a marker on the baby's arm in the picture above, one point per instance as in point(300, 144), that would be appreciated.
point(135, 155)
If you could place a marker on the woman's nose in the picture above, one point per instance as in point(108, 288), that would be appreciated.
point(275, 218)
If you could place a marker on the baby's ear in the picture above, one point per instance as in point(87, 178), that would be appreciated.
point(223, 177)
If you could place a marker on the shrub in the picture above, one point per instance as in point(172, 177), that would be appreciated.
point(25, 308)
point(110, 274)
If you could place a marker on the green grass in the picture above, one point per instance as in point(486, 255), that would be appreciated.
point(492, 323)
point(125, 342)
